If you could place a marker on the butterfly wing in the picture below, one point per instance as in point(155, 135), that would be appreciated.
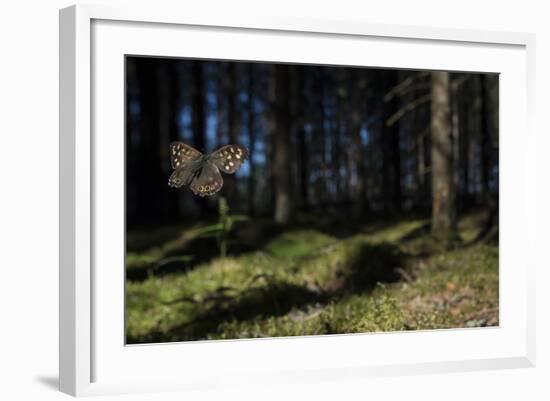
point(229, 158)
point(181, 154)
point(182, 175)
point(208, 181)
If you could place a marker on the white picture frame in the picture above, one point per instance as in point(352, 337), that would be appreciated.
point(93, 356)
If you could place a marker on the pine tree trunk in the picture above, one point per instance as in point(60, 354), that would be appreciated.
point(197, 116)
point(251, 140)
point(230, 182)
point(282, 163)
point(485, 139)
point(301, 142)
point(443, 190)
point(455, 132)
point(391, 157)
point(303, 166)
point(270, 117)
point(357, 173)
point(198, 119)
point(464, 139)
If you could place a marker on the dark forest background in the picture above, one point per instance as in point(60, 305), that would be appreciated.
point(369, 202)
point(320, 137)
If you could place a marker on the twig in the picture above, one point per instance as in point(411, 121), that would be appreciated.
point(408, 108)
point(403, 273)
point(403, 86)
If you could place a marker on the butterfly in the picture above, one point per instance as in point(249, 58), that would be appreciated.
point(201, 173)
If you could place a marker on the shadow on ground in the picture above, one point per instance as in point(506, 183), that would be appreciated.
point(246, 238)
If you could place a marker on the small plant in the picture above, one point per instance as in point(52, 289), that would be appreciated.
point(222, 229)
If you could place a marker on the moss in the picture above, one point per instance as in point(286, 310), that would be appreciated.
point(297, 243)
point(306, 282)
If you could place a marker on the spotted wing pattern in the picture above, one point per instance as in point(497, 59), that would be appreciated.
point(229, 158)
point(207, 181)
point(182, 175)
point(202, 174)
point(181, 154)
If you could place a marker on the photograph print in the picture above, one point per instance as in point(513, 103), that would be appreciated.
point(268, 199)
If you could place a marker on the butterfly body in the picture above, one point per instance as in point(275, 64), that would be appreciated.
point(201, 173)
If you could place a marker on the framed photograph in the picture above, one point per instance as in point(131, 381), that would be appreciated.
point(275, 200)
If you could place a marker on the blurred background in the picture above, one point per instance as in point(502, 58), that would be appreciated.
point(369, 203)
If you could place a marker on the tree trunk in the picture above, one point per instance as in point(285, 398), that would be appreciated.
point(391, 157)
point(396, 161)
point(318, 139)
point(282, 170)
point(198, 117)
point(221, 117)
point(357, 173)
point(301, 142)
point(455, 131)
point(230, 182)
point(464, 139)
point(303, 163)
point(168, 124)
point(485, 139)
point(421, 128)
point(251, 140)
point(336, 132)
point(270, 116)
point(443, 190)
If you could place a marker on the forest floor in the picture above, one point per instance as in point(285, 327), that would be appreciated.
point(317, 278)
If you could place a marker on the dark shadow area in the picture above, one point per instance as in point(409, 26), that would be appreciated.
point(275, 299)
point(374, 264)
point(179, 260)
point(254, 236)
point(245, 238)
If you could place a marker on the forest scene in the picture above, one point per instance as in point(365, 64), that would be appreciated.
point(368, 201)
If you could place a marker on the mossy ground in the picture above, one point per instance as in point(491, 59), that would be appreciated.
point(376, 276)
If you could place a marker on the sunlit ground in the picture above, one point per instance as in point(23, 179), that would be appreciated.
point(375, 276)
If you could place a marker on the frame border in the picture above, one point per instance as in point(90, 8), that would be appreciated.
point(75, 169)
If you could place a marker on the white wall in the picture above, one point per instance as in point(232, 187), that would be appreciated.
point(29, 185)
